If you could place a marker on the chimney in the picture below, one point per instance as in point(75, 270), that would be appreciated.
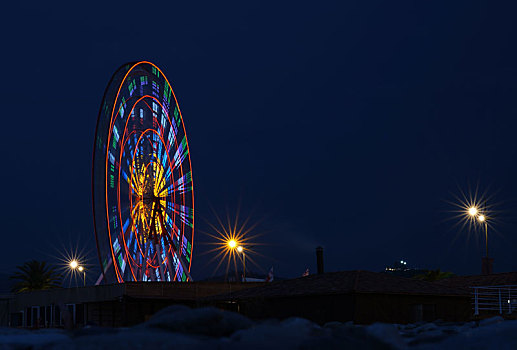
point(487, 265)
point(319, 260)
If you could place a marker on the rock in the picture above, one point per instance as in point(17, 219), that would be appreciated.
point(386, 333)
point(290, 334)
point(94, 330)
point(208, 321)
point(296, 333)
point(426, 327)
point(132, 339)
point(491, 320)
point(432, 336)
point(500, 336)
point(24, 339)
point(449, 330)
point(466, 326)
point(336, 324)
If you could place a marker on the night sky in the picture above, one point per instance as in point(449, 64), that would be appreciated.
point(345, 124)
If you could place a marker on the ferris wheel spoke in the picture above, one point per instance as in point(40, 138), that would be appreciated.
point(145, 264)
point(174, 250)
point(181, 153)
point(160, 260)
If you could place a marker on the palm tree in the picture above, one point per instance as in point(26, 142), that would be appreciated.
point(35, 275)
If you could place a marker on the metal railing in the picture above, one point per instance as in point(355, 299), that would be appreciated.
point(501, 299)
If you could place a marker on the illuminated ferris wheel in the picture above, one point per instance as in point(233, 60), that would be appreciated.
point(143, 200)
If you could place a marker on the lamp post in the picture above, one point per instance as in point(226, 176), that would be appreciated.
point(83, 270)
point(474, 213)
point(240, 249)
point(486, 266)
point(74, 265)
point(482, 220)
point(232, 246)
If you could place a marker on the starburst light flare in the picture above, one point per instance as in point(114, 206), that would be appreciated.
point(231, 240)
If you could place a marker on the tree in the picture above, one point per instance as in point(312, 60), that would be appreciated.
point(35, 275)
point(434, 275)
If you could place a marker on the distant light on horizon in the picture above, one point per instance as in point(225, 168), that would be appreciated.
point(473, 211)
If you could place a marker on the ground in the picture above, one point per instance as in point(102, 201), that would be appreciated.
point(179, 327)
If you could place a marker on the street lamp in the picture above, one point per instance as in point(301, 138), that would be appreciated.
point(475, 213)
point(232, 246)
point(240, 249)
point(482, 220)
point(83, 270)
point(232, 243)
point(74, 266)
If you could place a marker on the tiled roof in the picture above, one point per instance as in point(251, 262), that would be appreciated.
point(344, 282)
point(496, 279)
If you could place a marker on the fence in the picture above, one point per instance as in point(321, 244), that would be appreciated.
point(494, 299)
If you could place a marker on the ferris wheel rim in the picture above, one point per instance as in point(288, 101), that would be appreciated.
point(188, 171)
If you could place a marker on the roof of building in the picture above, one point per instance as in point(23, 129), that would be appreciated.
point(177, 291)
point(496, 279)
point(344, 282)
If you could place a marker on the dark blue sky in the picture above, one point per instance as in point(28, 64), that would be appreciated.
point(345, 124)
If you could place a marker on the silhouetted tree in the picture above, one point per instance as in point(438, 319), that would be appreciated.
point(35, 275)
point(434, 275)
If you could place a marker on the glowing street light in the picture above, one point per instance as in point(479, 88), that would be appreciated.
point(240, 249)
point(75, 266)
point(482, 220)
point(230, 240)
point(83, 270)
point(475, 213)
point(232, 243)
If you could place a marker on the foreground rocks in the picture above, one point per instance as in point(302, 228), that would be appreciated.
point(179, 327)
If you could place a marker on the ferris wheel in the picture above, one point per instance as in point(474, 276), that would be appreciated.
point(142, 190)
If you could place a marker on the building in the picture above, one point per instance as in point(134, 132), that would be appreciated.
point(360, 296)
point(114, 305)
point(491, 294)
